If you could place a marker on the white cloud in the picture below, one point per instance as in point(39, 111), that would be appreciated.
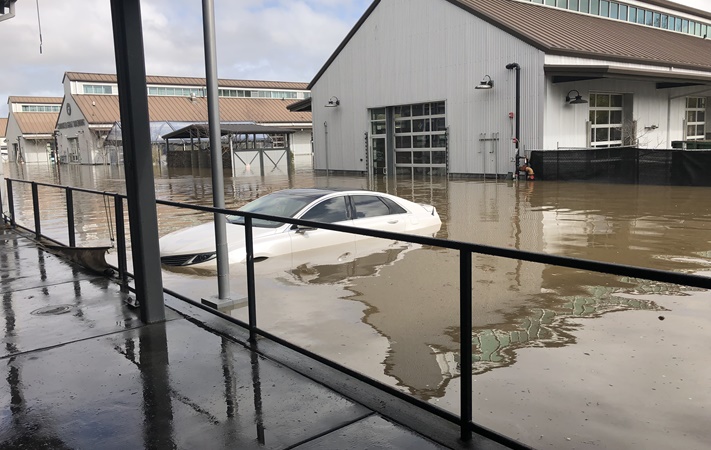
point(256, 39)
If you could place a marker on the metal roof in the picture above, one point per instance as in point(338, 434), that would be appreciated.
point(188, 81)
point(203, 130)
point(99, 109)
point(3, 126)
point(300, 106)
point(36, 123)
point(561, 32)
point(34, 100)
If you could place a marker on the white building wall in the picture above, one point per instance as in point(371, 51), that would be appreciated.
point(412, 51)
point(301, 142)
point(75, 126)
point(659, 113)
point(11, 135)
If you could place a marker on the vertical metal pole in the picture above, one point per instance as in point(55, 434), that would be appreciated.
point(465, 345)
point(36, 210)
point(70, 217)
point(213, 109)
point(120, 240)
point(10, 203)
point(140, 185)
point(251, 297)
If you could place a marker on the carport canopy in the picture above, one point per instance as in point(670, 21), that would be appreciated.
point(203, 130)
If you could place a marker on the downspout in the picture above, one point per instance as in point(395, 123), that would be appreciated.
point(517, 68)
point(325, 128)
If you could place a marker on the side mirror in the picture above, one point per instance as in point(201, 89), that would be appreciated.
point(300, 229)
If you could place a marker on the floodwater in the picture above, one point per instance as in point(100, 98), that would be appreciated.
point(563, 358)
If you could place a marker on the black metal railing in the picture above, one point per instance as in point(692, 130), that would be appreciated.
point(465, 250)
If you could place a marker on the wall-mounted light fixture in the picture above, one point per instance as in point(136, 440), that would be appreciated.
point(333, 102)
point(486, 83)
point(575, 101)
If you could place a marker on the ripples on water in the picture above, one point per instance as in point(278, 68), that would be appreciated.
point(393, 314)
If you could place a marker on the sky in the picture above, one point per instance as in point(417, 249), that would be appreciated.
point(277, 40)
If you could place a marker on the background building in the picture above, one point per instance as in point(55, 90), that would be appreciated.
point(30, 128)
point(3, 141)
point(91, 110)
point(430, 86)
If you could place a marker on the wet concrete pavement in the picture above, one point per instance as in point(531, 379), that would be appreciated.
point(81, 371)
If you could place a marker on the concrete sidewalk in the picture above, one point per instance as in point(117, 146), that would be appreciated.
point(81, 371)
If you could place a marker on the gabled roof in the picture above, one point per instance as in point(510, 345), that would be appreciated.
point(561, 32)
point(36, 123)
point(187, 81)
point(103, 109)
point(35, 100)
point(3, 127)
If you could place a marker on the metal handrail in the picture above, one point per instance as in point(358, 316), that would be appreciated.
point(465, 249)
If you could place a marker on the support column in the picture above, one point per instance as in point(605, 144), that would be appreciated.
point(140, 187)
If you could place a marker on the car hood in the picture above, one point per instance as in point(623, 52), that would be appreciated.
point(201, 238)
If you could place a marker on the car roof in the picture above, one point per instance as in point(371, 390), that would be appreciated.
point(322, 191)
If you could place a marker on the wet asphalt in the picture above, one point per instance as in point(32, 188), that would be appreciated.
point(81, 371)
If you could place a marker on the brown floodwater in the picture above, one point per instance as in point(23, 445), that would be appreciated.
point(563, 358)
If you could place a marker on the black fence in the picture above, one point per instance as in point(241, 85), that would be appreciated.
point(624, 165)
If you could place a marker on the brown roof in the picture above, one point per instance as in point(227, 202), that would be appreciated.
point(105, 109)
point(189, 81)
point(561, 32)
point(3, 126)
point(38, 100)
point(36, 123)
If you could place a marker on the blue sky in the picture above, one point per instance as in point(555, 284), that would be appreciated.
point(281, 40)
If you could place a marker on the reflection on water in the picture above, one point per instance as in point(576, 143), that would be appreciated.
point(409, 294)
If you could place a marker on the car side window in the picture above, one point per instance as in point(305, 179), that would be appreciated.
point(374, 206)
point(328, 211)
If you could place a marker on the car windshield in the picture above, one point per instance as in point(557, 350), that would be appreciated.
point(282, 204)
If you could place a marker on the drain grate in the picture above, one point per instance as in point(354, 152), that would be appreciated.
point(52, 310)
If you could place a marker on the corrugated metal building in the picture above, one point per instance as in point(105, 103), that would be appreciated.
point(91, 109)
point(30, 128)
point(429, 86)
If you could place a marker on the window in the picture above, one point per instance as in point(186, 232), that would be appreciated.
point(695, 118)
point(605, 120)
point(614, 10)
point(41, 108)
point(604, 8)
point(100, 89)
point(619, 11)
point(374, 206)
point(328, 211)
point(623, 12)
point(595, 7)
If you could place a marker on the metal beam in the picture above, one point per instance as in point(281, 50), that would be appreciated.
point(213, 110)
point(140, 187)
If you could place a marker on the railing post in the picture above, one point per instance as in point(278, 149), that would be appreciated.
point(36, 210)
point(465, 344)
point(2, 211)
point(251, 300)
point(10, 203)
point(120, 240)
point(70, 217)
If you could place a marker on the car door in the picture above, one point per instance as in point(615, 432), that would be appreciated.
point(321, 246)
point(376, 212)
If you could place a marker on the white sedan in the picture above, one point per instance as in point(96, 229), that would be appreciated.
point(195, 246)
